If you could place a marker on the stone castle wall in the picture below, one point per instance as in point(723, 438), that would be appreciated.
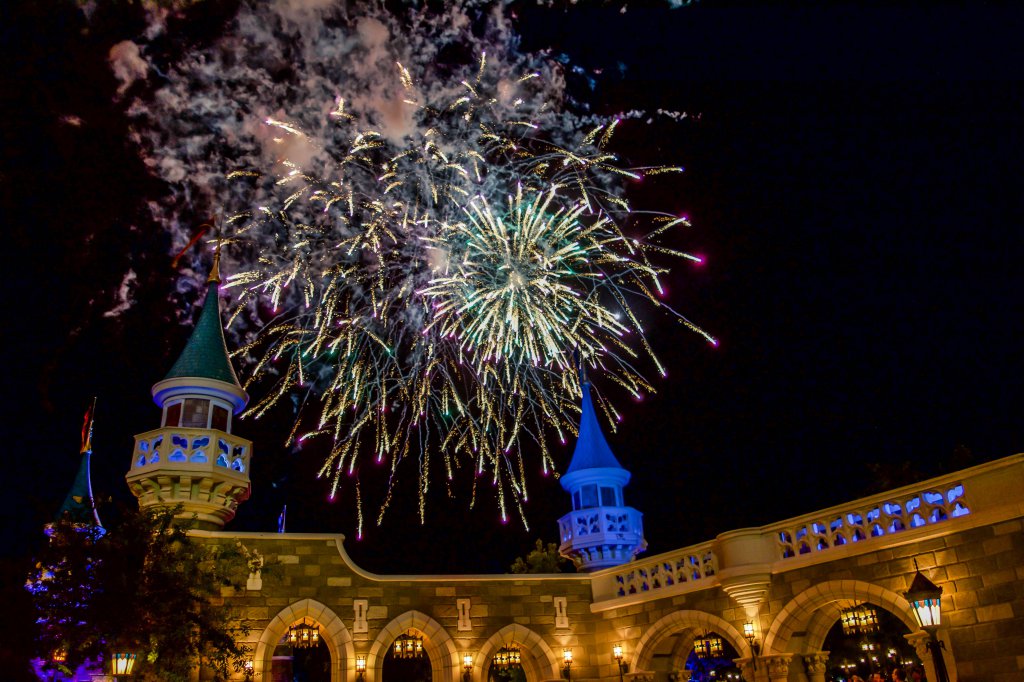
point(976, 558)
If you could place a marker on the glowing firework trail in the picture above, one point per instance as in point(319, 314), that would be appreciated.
point(436, 240)
point(446, 285)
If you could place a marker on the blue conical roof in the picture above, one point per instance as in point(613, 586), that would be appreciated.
point(592, 451)
point(206, 353)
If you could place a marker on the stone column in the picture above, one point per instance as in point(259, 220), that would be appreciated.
point(747, 669)
point(919, 640)
point(778, 666)
point(816, 665)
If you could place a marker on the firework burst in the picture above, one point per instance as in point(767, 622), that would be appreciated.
point(443, 292)
point(432, 250)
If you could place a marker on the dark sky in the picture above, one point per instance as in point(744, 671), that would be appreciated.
point(854, 179)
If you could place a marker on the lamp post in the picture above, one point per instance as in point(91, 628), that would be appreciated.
point(926, 599)
point(617, 655)
point(567, 663)
point(360, 667)
point(467, 667)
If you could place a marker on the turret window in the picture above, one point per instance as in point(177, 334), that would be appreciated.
point(198, 413)
point(219, 420)
point(195, 413)
point(608, 497)
point(173, 415)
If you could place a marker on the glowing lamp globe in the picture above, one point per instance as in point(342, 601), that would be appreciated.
point(926, 599)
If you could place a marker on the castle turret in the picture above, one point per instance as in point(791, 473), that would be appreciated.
point(193, 459)
point(601, 531)
point(79, 507)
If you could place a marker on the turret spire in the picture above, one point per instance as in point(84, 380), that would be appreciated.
point(205, 355)
point(79, 507)
point(601, 531)
point(214, 277)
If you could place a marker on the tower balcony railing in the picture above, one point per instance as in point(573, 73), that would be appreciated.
point(600, 526)
point(177, 445)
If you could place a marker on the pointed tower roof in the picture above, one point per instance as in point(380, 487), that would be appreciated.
point(204, 363)
point(79, 506)
point(205, 356)
point(592, 450)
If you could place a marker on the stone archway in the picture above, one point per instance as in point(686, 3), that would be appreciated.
point(332, 631)
point(814, 610)
point(445, 664)
point(539, 661)
point(685, 620)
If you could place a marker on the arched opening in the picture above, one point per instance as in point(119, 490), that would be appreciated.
point(710, 659)
point(804, 624)
point(407, 659)
point(440, 654)
point(536, 660)
point(866, 639)
point(301, 655)
point(668, 647)
point(335, 643)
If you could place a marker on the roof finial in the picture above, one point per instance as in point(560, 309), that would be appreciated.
point(90, 415)
point(581, 369)
point(214, 277)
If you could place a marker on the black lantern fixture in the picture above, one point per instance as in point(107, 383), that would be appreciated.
point(859, 620)
point(617, 655)
point(926, 599)
point(408, 646)
point(567, 663)
point(751, 637)
point(304, 635)
point(467, 667)
point(508, 656)
point(122, 664)
point(708, 645)
point(360, 667)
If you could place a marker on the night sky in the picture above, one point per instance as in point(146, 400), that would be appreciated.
point(853, 176)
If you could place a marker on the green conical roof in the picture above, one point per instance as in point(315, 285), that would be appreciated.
point(78, 506)
point(206, 354)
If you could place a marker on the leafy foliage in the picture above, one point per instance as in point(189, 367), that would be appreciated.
point(541, 559)
point(146, 587)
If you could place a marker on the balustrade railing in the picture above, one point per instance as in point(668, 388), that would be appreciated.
point(983, 492)
point(194, 446)
point(688, 565)
point(871, 518)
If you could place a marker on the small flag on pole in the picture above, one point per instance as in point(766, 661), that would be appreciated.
point(87, 427)
point(281, 519)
